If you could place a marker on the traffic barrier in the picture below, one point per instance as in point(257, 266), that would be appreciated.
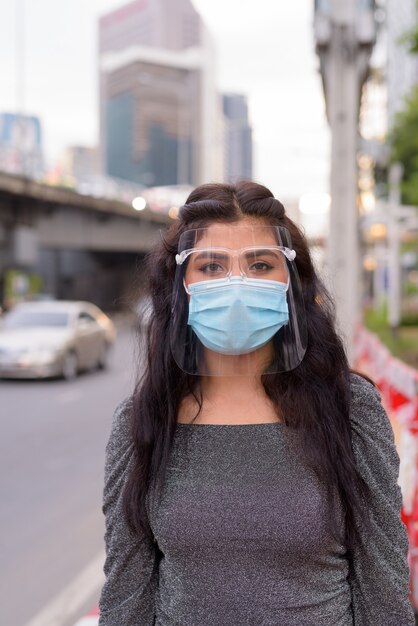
point(398, 384)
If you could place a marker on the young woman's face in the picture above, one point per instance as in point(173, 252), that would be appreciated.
point(251, 299)
point(248, 248)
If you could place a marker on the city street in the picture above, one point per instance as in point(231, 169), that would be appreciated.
point(52, 441)
point(264, 198)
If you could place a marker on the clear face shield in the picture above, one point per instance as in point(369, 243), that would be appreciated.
point(237, 306)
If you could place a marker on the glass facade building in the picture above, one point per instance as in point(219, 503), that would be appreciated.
point(152, 92)
point(238, 138)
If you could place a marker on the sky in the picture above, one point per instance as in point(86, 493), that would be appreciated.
point(265, 50)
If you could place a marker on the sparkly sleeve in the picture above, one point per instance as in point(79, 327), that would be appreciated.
point(131, 567)
point(379, 575)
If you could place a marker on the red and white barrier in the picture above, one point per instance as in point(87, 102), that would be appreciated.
point(398, 384)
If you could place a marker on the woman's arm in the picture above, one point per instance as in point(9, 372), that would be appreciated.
point(131, 566)
point(379, 575)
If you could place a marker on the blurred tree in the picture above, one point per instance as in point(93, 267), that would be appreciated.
point(403, 138)
point(410, 38)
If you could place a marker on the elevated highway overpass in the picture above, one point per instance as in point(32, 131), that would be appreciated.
point(71, 245)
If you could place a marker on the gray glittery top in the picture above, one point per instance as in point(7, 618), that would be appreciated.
point(242, 535)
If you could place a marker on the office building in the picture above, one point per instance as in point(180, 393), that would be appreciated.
point(159, 107)
point(168, 24)
point(21, 150)
point(238, 162)
point(82, 162)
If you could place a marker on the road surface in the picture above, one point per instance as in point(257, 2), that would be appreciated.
point(52, 440)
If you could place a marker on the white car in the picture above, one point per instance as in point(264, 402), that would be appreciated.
point(54, 338)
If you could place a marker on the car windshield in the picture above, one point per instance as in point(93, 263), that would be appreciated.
point(27, 319)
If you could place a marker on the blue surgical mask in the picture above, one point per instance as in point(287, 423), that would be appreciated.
point(238, 315)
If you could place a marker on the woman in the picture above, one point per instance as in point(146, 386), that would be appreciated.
point(251, 478)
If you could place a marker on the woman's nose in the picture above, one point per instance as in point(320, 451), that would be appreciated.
point(235, 270)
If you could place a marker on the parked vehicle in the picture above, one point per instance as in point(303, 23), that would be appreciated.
point(54, 338)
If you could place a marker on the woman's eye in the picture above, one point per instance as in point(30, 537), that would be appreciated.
point(211, 268)
point(260, 266)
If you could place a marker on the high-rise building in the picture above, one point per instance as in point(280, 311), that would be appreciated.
point(21, 149)
point(402, 67)
point(238, 162)
point(158, 103)
point(169, 24)
point(82, 162)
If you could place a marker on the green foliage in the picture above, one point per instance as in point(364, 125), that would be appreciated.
point(410, 246)
point(405, 345)
point(411, 289)
point(403, 137)
point(410, 40)
point(404, 146)
point(410, 319)
point(376, 319)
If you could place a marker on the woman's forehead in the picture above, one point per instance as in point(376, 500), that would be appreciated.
point(236, 235)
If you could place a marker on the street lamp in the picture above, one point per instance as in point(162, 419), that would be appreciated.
point(139, 203)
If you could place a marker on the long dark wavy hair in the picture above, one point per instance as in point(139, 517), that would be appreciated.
point(314, 398)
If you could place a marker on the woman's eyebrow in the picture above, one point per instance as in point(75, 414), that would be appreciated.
point(219, 256)
point(261, 252)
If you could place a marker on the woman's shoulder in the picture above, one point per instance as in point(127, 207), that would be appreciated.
point(361, 386)
point(120, 440)
point(365, 396)
point(121, 418)
point(370, 423)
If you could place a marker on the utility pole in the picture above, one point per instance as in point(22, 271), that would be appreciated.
point(20, 85)
point(345, 35)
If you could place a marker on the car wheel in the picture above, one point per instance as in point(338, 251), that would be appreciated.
point(70, 366)
point(103, 356)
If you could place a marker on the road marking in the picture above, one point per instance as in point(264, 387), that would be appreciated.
point(70, 600)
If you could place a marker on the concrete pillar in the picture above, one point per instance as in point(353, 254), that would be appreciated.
point(344, 42)
point(24, 247)
point(343, 244)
